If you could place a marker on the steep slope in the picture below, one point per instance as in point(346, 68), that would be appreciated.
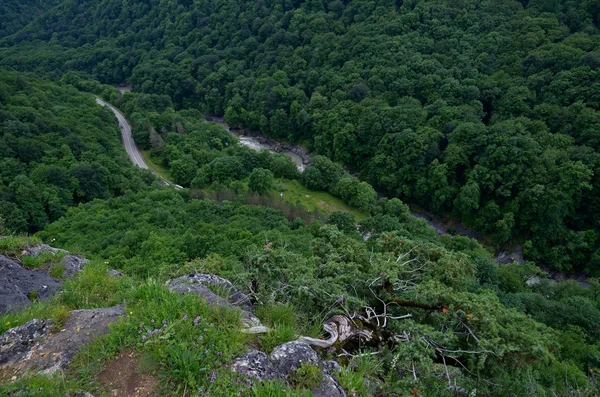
point(57, 149)
point(485, 110)
point(16, 14)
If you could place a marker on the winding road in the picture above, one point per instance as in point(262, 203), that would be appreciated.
point(130, 147)
point(128, 143)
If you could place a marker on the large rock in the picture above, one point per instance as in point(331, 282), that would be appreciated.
point(41, 249)
point(329, 388)
point(17, 342)
point(198, 284)
point(288, 357)
point(71, 263)
point(256, 365)
point(284, 361)
point(18, 286)
point(32, 347)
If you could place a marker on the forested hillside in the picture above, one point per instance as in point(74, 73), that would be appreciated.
point(57, 149)
point(17, 14)
point(484, 110)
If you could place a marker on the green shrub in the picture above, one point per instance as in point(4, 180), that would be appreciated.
point(308, 376)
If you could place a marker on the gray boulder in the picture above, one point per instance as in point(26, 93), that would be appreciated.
point(114, 273)
point(49, 352)
point(18, 286)
point(288, 357)
point(331, 367)
point(17, 342)
point(284, 361)
point(198, 283)
point(329, 388)
point(41, 249)
point(256, 365)
point(71, 263)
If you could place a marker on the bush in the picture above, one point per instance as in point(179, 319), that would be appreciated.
point(261, 181)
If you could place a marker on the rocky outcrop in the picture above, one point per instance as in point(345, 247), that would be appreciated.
point(256, 365)
point(287, 358)
point(16, 343)
point(198, 284)
point(284, 361)
point(72, 263)
point(20, 286)
point(39, 249)
point(39, 346)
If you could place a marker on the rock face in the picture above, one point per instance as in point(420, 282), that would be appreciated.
point(256, 365)
point(72, 263)
point(18, 286)
point(285, 360)
point(42, 248)
point(197, 284)
point(17, 342)
point(38, 345)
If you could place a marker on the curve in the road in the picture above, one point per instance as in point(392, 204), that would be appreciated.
point(128, 143)
point(130, 147)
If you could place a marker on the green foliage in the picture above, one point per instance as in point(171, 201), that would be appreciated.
point(500, 131)
point(34, 262)
point(58, 148)
point(14, 245)
point(93, 287)
point(261, 181)
point(343, 220)
point(283, 323)
point(308, 376)
point(484, 111)
point(277, 389)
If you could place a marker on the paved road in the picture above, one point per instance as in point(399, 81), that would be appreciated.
point(128, 143)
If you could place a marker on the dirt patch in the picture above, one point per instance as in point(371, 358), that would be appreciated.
point(121, 378)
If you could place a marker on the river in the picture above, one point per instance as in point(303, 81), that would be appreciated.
point(297, 154)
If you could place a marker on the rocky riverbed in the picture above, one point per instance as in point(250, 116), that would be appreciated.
point(255, 141)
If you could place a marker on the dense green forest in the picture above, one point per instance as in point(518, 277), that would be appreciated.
point(57, 149)
point(17, 14)
point(483, 110)
point(497, 331)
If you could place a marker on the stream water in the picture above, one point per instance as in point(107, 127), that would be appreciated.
point(259, 143)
